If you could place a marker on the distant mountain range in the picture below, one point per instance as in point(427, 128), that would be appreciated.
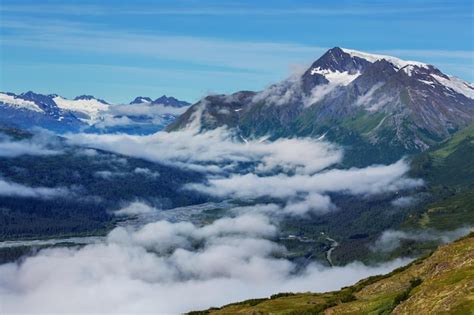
point(87, 113)
point(380, 107)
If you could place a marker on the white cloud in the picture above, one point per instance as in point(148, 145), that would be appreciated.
point(217, 150)
point(11, 189)
point(135, 208)
point(285, 92)
point(243, 55)
point(365, 99)
point(391, 239)
point(313, 202)
point(318, 93)
point(146, 109)
point(365, 181)
point(88, 152)
point(112, 121)
point(109, 174)
point(146, 172)
point(404, 201)
point(216, 10)
point(40, 144)
point(298, 172)
point(165, 267)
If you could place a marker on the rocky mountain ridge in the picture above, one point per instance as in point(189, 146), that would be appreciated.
point(353, 98)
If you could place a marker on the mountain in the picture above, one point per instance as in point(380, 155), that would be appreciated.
point(141, 100)
point(170, 101)
point(378, 106)
point(29, 110)
point(87, 113)
point(162, 100)
point(441, 283)
point(142, 116)
point(86, 108)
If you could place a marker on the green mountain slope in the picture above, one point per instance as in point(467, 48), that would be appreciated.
point(442, 283)
point(451, 163)
point(449, 172)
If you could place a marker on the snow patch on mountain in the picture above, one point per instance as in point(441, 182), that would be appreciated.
point(427, 82)
point(141, 100)
point(144, 100)
point(336, 77)
point(398, 63)
point(90, 107)
point(456, 84)
point(14, 101)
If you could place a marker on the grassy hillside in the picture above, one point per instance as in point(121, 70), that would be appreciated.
point(442, 283)
point(448, 170)
point(451, 163)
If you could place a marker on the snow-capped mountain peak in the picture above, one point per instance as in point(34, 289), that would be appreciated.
point(170, 101)
point(89, 98)
point(410, 103)
point(456, 84)
point(162, 100)
point(141, 100)
point(17, 102)
point(88, 108)
point(341, 66)
point(87, 113)
point(398, 63)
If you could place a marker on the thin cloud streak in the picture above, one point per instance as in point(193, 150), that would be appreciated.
point(100, 10)
point(246, 55)
point(458, 54)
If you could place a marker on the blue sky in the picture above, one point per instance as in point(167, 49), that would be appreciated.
point(117, 50)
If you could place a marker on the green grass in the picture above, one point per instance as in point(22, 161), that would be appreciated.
point(363, 122)
point(450, 146)
point(441, 282)
point(448, 214)
point(448, 170)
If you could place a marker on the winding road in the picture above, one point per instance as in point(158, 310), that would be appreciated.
point(334, 244)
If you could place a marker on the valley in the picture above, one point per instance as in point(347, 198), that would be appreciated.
point(355, 166)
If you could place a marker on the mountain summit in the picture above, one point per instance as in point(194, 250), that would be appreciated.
point(356, 99)
point(162, 100)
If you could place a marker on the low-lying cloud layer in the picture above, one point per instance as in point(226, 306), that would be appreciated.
point(217, 150)
point(366, 181)
point(11, 189)
point(299, 172)
point(392, 239)
point(166, 267)
point(146, 109)
point(41, 144)
point(138, 114)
